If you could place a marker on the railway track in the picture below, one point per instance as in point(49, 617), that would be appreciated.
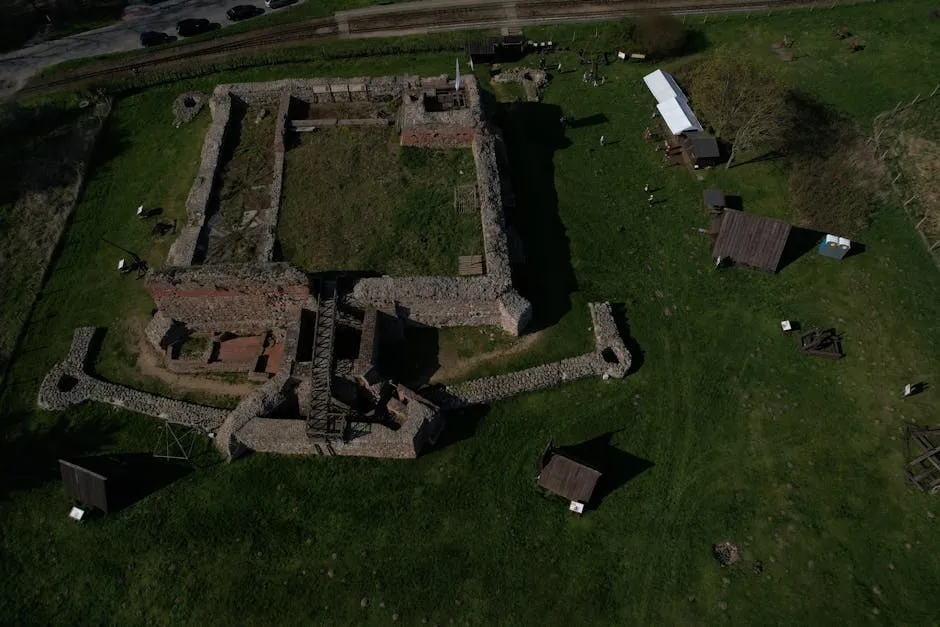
point(395, 19)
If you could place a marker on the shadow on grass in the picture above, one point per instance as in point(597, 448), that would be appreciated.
point(31, 459)
point(132, 476)
point(617, 467)
point(461, 425)
point(800, 242)
point(533, 135)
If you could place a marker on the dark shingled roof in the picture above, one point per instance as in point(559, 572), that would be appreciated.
point(714, 198)
point(482, 47)
point(568, 478)
point(751, 240)
point(702, 146)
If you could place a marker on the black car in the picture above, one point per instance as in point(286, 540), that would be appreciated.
point(154, 38)
point(193, 26)
point(243, 12)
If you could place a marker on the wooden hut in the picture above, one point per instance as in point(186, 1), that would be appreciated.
point(567, 477)
point(749, 240)
point(701, 149)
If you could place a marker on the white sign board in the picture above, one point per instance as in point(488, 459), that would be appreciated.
point(76, 513)
point(576, 507)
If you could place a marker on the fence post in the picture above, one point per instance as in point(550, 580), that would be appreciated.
point(896, 178)
point(884, 155)
point(934, 91)
point(921, 222)
point(908, 201)
point(916, 98)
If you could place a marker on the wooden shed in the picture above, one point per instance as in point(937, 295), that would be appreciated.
point(749, 240)
point(701, 149)
point(567, 477)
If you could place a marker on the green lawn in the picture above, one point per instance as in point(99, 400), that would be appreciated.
point(354, 199)
point(796, 459)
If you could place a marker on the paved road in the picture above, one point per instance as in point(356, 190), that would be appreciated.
point(19, 65)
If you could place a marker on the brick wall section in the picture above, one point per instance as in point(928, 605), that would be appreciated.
point(247, 298)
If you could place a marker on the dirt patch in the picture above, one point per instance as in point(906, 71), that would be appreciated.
point(453, 367)
point(151, 365)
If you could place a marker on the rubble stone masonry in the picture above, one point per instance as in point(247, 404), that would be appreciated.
point(249, 298)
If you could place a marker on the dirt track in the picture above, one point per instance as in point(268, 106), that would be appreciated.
point(393, 20)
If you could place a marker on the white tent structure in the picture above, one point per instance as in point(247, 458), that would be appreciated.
point(678, 116)
point(663, 86)
point(671, 103)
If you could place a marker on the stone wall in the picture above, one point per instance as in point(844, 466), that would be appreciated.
point(68, 384)
point(269, 217)
point(184, 248)
point(457, 301)
point(489, 389)
point(610, 347)
point(609, 359)
point(438, 137)
point(249, 298)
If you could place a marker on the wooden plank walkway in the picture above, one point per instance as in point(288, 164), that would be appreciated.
point(471, 265)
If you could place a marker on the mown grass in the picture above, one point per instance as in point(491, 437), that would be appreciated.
point(795, 459)
point(353, 199)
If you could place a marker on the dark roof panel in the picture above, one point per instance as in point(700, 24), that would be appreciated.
point(568, 478)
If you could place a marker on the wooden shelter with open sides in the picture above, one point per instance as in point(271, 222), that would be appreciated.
point(749, 240)
point(567, 477)
point(922, 458)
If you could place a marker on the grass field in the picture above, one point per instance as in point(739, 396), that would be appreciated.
point(353, 199)
point(731, 433)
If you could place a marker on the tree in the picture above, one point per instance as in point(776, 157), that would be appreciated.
point(746, 105)
point(660, 35)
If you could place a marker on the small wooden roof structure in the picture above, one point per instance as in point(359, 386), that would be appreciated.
point(701, 145)
point(750, 240)
point(567, 477)
point(714, 198)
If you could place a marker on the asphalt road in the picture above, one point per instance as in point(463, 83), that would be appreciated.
point(17, 66)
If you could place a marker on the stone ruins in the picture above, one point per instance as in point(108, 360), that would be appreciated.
point(314, 341)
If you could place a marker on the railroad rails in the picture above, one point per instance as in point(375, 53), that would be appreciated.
point(392, 20)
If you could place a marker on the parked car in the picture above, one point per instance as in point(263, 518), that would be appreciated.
point(243, 12)
point(277, 4)
point(154, 38)
point(193, 26)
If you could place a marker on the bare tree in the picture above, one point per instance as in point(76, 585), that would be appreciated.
point(746, 105)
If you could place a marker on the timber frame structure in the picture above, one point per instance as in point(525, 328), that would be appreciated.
point(922, 457)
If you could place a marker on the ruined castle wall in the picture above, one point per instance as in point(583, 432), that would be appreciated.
point(611, 349)
point(435, 301)
point(238, 298)
point(275, 435)
point(437, 136)
point(489, 389)
point(495, 241)
point(68, 384)
point(269, 217)
point(184, 248)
